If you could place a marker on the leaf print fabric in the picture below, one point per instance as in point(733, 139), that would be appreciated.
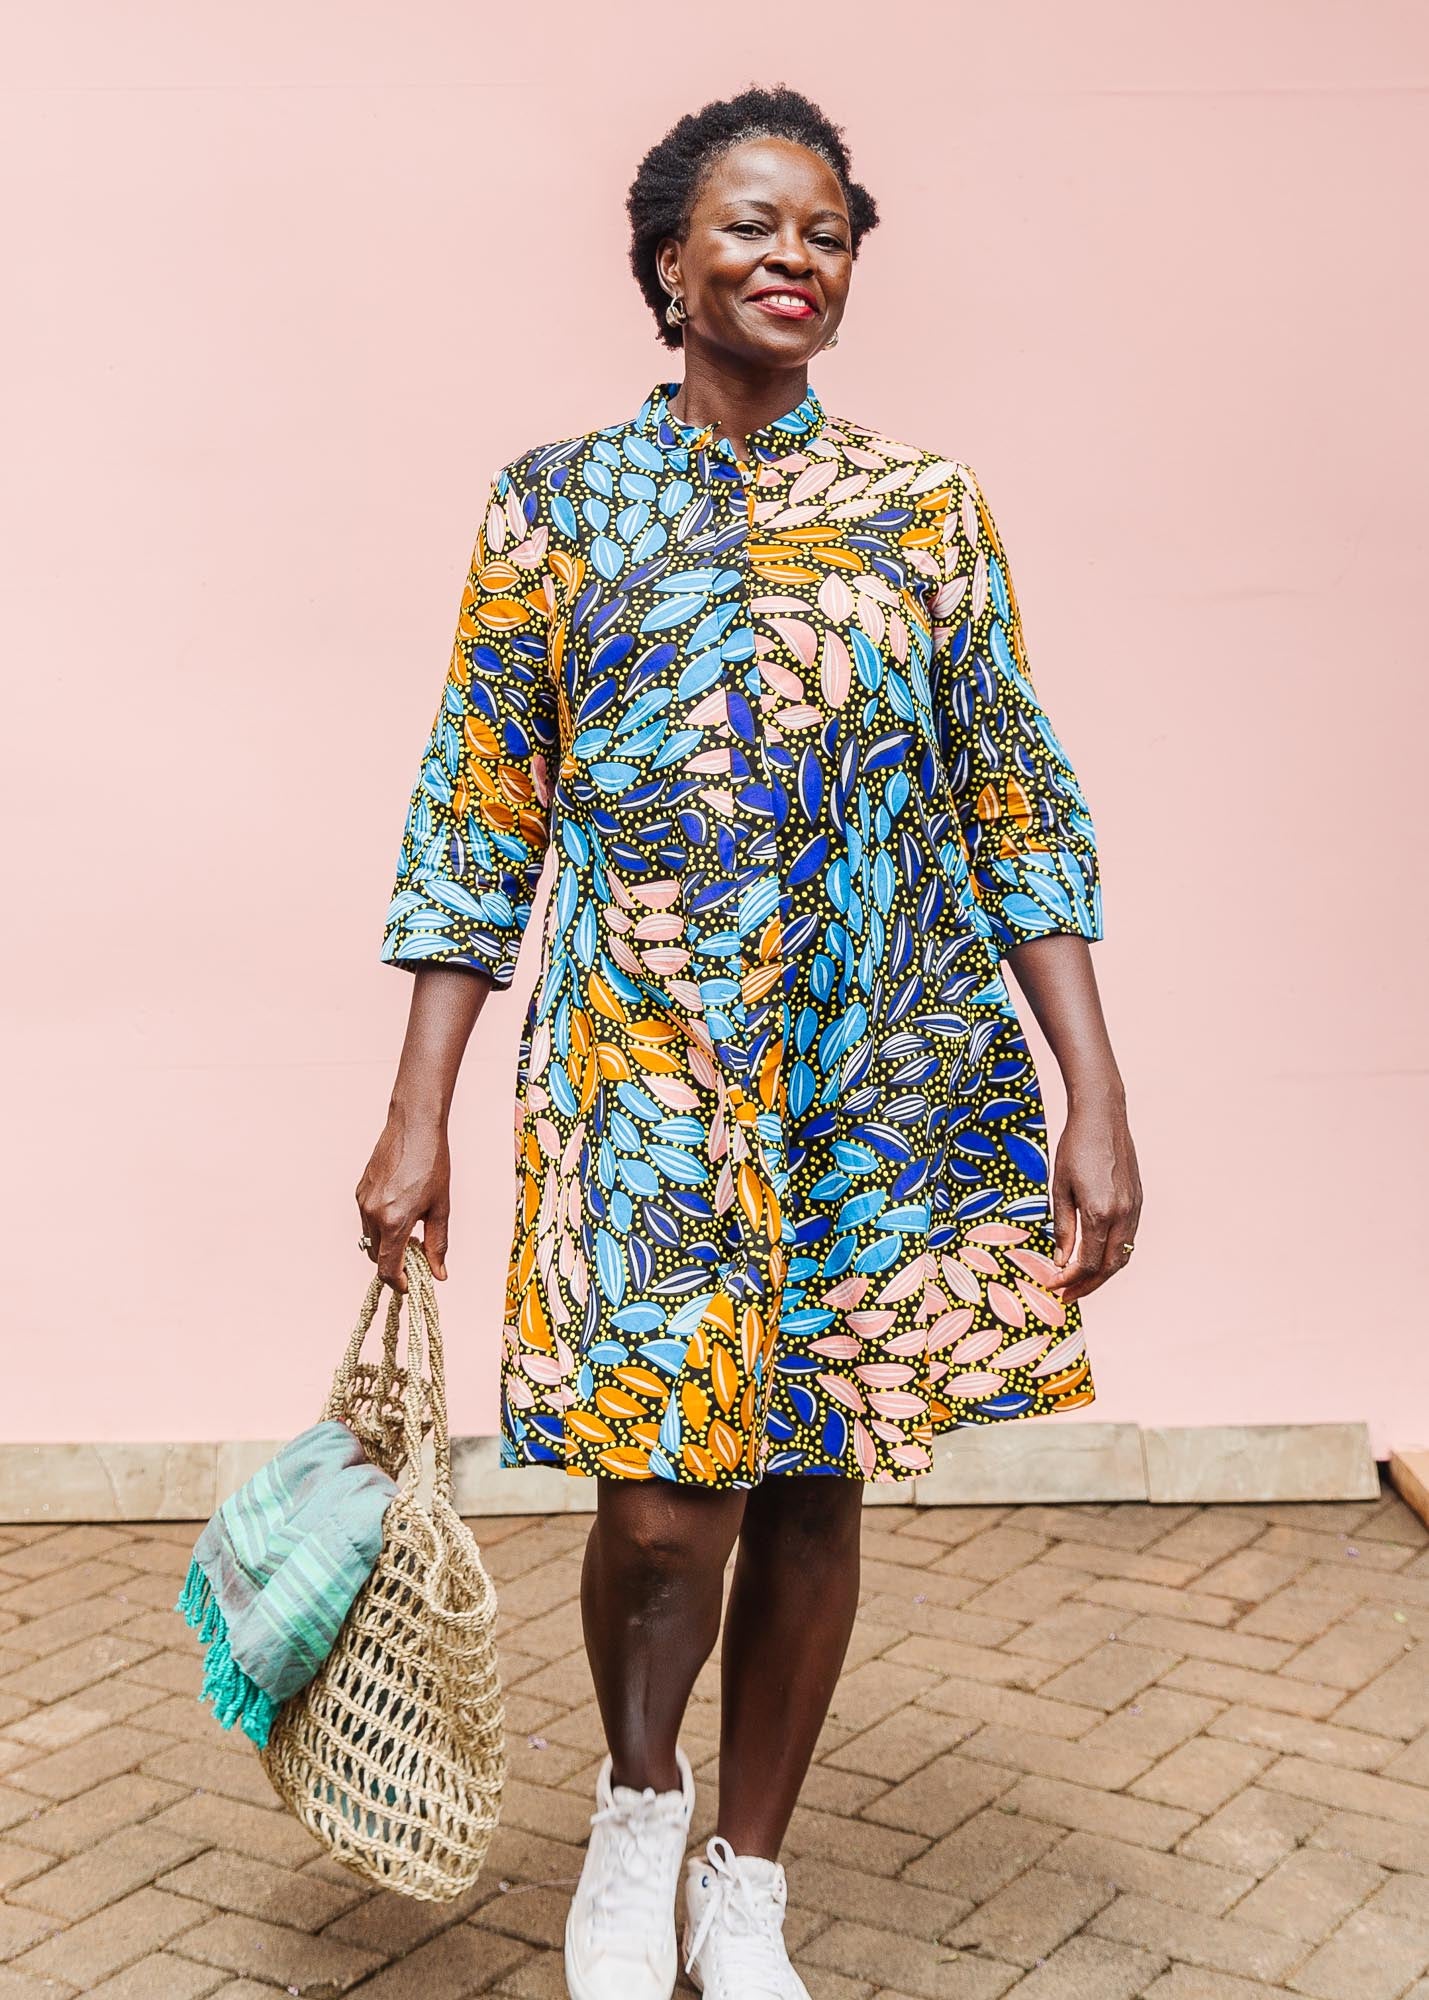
point(780, 1147)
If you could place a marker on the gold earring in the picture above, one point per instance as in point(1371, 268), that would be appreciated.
point(675, 312)
point(833, 339)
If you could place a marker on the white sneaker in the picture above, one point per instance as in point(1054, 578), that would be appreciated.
point(734, 1927)
point(620, 1929)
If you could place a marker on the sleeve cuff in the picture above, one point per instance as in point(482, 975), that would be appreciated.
point(1037, 895)
point(438, 921)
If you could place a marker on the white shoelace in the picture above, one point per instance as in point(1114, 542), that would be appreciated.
point(753, 1924)
point(632, 1898)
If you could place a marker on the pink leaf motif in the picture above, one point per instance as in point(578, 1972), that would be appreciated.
point(774, 604)
point(663, 961)
point(811, 481)
point(848, 1291)
point(897, 1403)
point(702, 1068)
point(540, 1049)
point(1039, 1268)
point(1006, 1304)
point(842, 1391)
point(870, 617)
point(714, 708)
point(868, 1325)
point(1064, 1352)
point(799, 636)
point(532, 552)
point(782, 680)
point(981, 1342)
point(945, 1332)
point(669, 1091)
point(1042, 1305)
point(835, 599)
point(972, 527)
point(903, 1284)
point(1022, 1352)
point(835, 675)
point(961, 1282)
point(948, 597)
point(979, 596)
point(978, 1382)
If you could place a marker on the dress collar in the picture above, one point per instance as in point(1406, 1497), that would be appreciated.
point(656, 419)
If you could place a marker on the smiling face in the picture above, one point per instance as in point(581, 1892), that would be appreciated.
point(764, 269)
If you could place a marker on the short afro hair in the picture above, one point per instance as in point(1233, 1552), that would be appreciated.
point(668, 179)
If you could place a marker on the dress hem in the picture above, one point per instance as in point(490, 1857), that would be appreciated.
point(573, 1469)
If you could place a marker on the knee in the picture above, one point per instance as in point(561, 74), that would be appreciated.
point(655, 1552)
point(811, 1523)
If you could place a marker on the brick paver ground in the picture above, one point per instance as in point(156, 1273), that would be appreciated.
point(1078, 1753)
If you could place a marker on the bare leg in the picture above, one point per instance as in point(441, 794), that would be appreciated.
point(651, 1591)
point(791, 1611)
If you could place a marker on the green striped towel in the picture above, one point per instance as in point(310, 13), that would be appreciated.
point(276, 1569)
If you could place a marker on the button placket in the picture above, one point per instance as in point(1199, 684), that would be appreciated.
point(734, 484)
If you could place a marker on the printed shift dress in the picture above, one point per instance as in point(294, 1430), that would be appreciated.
point(780, 1148)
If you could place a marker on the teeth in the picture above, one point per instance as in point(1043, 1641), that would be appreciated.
point(784, 299)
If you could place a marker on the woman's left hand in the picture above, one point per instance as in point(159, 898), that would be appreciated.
point(1095, 1183)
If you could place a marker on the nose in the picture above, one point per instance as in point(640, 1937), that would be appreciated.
point(789, 253)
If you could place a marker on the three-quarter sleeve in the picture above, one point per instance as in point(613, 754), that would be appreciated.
point(1031, 845)
point(478, 823)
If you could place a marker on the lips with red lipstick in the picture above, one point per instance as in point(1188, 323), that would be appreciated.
point(785, 301)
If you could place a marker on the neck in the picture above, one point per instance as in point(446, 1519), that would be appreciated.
point(737, 398)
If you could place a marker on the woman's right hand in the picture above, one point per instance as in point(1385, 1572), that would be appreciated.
point(407, 1181)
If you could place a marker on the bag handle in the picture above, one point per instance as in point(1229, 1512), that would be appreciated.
point(423, 1333)
point(423, 1327)
point(342, 1378)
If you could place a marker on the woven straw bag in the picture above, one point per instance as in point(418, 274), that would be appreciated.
point(394, 1754)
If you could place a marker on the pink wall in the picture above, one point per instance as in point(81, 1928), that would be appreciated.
point(290, 288)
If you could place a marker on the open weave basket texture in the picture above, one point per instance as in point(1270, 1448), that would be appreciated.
point(394, 1754)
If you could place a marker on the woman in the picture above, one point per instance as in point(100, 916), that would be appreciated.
point(755, 674)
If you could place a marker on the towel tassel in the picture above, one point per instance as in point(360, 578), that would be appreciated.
point(235, 1697)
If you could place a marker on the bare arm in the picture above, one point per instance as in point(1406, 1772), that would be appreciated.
point(1095, 1178)
point(408, 1178)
